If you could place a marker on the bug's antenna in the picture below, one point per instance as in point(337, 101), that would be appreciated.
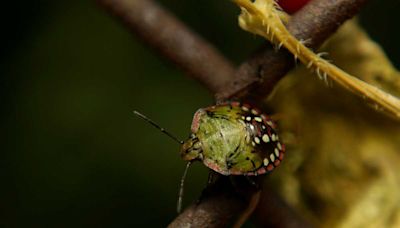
point(157, 126)
point(180, 196)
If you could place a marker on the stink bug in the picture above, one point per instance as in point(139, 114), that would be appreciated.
point(234, 139)
point(231, 139)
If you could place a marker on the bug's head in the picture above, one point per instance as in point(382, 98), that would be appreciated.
point(191, 149)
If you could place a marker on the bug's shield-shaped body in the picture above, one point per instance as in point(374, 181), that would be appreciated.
point(234, 139)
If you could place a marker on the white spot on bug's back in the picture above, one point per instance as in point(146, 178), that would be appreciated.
point(257, 140)
point(254, 112)
point(276, 152)
point(243, 117)
point(258, 119)
point(265, 138)
point(244, 108)
point(279, 146)
point(273, 137)
point(248, 118)
point(253, 143)
point(272, 157)
point(263, 127)
point(252, 127)
point(270, 123)
point(265, 161)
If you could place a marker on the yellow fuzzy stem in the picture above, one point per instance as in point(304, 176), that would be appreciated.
point(262, 17)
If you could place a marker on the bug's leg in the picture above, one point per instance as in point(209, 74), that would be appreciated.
point(212, 177)
point(253, 202)
point(234, 182)
point(252, 182)
point(251, 188)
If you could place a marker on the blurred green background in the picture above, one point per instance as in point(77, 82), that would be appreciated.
point(73, 153)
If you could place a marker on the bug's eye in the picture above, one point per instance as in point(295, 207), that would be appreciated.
point(191, 149)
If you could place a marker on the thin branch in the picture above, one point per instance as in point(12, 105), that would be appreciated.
point(223, 201)
point(217, 207)
point(165, 33)
point(314, 23)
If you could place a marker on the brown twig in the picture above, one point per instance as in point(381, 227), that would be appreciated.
point(223, 202)
point(258, 75)
point(218, 207)
point(314, 23)
point(163, 32)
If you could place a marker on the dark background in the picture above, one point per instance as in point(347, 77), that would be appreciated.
point(73, 154)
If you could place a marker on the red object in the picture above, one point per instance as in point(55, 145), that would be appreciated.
point(291, 6)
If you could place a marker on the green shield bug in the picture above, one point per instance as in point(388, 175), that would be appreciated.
point(232, 139)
